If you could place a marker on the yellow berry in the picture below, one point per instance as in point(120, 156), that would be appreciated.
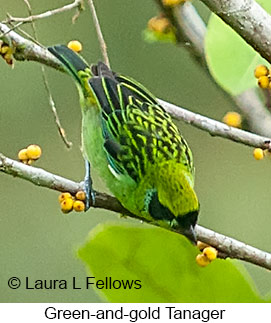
point(9, 59)
point(22, 155)
point(5, 49)
point(233, 119)
point(210, 253)
point(172, 3)
point(33, 152)
point(159, 24)
point(75, 45)
point(261, 70)
point(80, 195)
point(66, 205)
point(263, 82)
point(202, 260)
point(64, 196)
point(79, 206)
point(258, 153)
point(6, 52)
point(201, 245)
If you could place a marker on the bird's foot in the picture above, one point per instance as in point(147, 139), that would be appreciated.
point(90, 193)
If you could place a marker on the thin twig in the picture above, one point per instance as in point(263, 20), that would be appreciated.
point(46, 84)
point(49, 13)
point(27, 50)
point(216, 128)
point(24, 49)
point(42, 178)
point(53, 108)
point(254, 111)
point(249, 102)
point(28, 36)
point(225, 245)
point(199, 121)
point(99, 33)
point(235, 248)
point(10, 29)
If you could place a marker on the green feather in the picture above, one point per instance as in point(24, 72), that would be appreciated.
point(135, 145)
point(72, 61)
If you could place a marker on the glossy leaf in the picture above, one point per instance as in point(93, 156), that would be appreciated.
point(230, 59)
point(164, 263)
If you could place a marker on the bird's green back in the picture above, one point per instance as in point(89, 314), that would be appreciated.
point(135, 145)
point(137, 131)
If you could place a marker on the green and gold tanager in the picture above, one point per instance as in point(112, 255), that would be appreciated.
point(134, 144)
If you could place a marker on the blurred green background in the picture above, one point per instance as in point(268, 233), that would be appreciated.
point(36, 239)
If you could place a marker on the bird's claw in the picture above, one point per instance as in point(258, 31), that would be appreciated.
point(90, 193)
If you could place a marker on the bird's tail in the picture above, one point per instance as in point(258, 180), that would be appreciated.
point(70, 59)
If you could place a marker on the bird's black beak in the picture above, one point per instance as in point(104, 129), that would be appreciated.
point(186, 225)
point(191, 234)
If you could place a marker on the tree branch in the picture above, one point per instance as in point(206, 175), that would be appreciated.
point(189, 28)
point(216, 128)
point(254, 111)
point(76, 4)
point(42, 178)
point(249, 102)
point(27, 50)
point(248, 19)
point(60, 129)
point(234, 248)
point(225, 245)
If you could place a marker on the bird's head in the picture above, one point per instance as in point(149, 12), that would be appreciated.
point(174, 199)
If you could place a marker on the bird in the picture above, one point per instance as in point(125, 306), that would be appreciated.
point(135, 146)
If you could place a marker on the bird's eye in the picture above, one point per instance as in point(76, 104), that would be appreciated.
point(159, 211)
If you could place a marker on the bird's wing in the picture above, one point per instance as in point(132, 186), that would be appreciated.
point(137, 131)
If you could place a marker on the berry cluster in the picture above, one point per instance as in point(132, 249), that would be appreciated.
point(262, 73)
point(207, 256)
point(69, 202)
point(6, 52)
point(29, 154)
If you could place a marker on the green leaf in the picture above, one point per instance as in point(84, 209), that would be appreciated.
point(230, 59)
point(268, 297)
point(164, 263)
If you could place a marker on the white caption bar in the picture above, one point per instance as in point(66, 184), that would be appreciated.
point(99, 312)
